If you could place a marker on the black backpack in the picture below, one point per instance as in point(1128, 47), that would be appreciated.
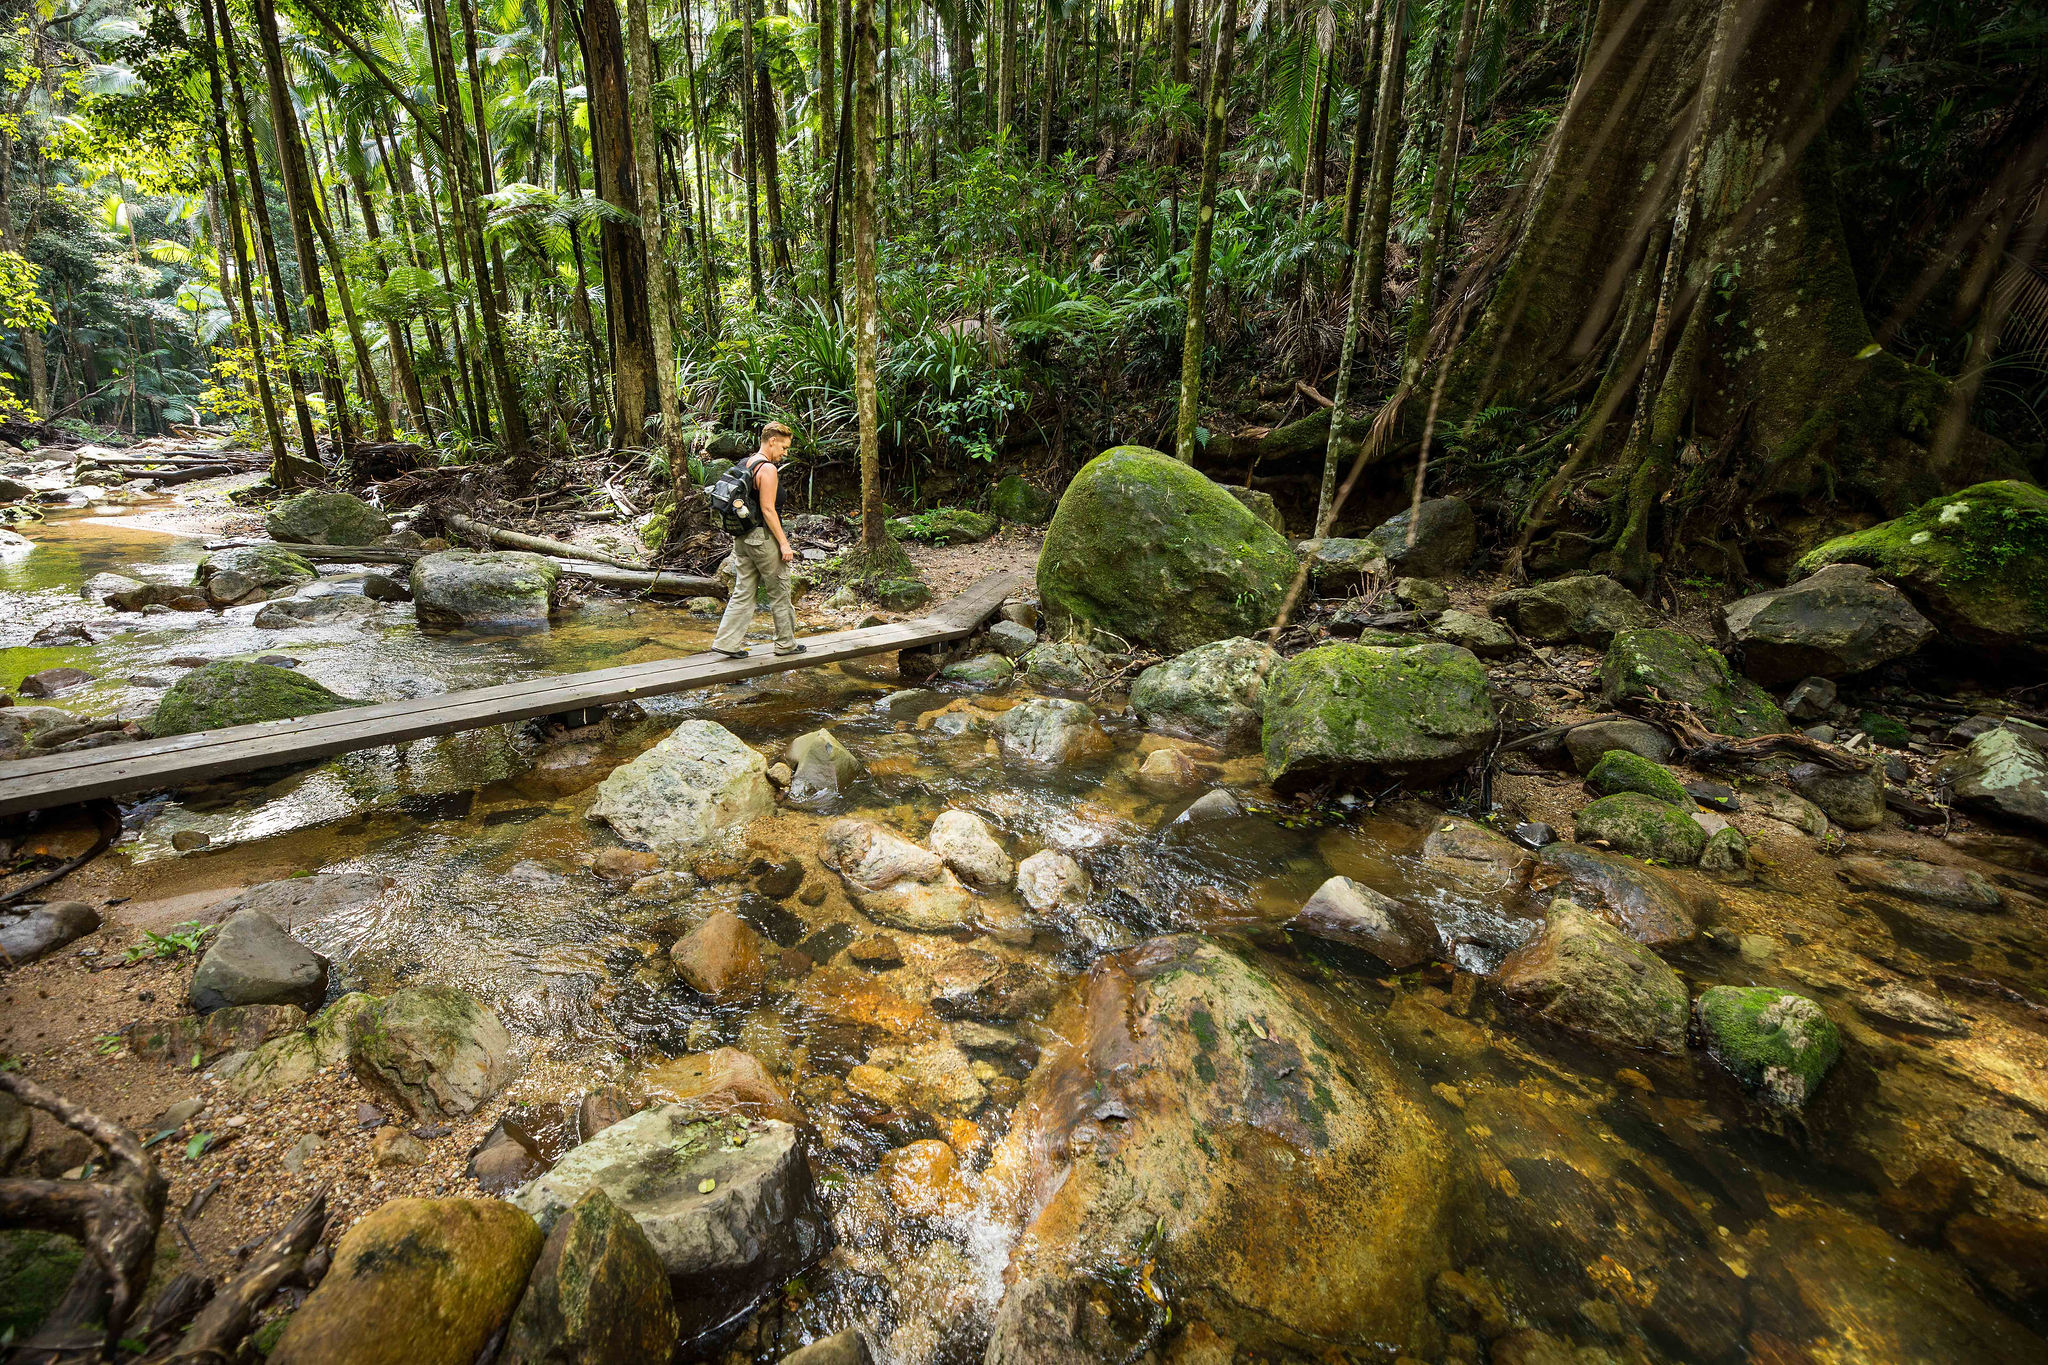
point(735, 502)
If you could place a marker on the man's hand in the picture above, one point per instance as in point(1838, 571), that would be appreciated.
point(788, 555)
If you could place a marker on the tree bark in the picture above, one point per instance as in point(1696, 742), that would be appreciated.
point(1386, 151)
point(766, 137)
point(750, 135)
point(706, 241)
point(1370, 33)
point(634, 384)
point(654, 232)
point(866, 306)
point(1205, 224)
point(1424, 302)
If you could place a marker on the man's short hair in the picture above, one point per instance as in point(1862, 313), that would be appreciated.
point(777, 429)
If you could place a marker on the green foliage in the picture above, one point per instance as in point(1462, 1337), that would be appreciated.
point(179, 941)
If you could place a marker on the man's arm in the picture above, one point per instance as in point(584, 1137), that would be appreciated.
point(768, 482)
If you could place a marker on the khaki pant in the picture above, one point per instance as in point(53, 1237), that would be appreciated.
point(759, 561)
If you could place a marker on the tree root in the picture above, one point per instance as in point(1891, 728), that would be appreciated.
point(217, 1332)
point(116, 1218)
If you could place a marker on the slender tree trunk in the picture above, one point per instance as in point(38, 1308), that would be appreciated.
point(888, 89)
point(1006, 69)
point(654, 232)
point(1424, 302)
point(634, 385)
point(766, 137)
point(828, 77)
point(366, 372)
point(1205, 224)
point(288, 476)
point(1386, 149)
point(839, 166)
point(1370, 32)
point(273, 429)
point(580, 311)
point(394, 335)
point(866, 306)
point(706, 242)
point(1183, 22)
point(749, 124)
point(1050, 59)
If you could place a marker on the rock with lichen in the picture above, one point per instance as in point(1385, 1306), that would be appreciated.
point(1364, 713)
point(1778, 1043)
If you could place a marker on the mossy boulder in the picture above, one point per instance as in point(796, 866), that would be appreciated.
point(268, 567)
point(1778, 1043)
point(1975, 561)
point(1148, 550)
point(1356, 711)
point(598, 1293)
point(1642, 827)
point(1650, 664)
point(417, 1282)
point(431, 1051)
point(285, 1062)
point(1621, 771)
point(899, 594)
point(500, 592)
point(326, 519)
point(1214, 692)
point(1064, 664)
point(1018, 499)
point(232, 692)
point(944, 526)
point(982, 670)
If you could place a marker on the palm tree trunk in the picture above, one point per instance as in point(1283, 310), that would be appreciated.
point(866, 307)
point(1205, 224)
point(1424, 302)
point(654, 232)
point(1386, 148)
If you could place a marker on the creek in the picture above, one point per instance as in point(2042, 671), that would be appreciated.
point(1631, 1206)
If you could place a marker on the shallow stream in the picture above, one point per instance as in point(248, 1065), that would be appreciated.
point(1630, 1207)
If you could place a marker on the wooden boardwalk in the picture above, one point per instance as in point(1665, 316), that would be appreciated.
point(167, 764)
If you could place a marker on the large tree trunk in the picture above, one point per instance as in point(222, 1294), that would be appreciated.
point(866, 306)
point(654, 232)
point(1703, 312)
point(1192, 340)
point(634, 392)
point(1386, 151)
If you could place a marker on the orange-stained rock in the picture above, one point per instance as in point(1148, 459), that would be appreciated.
point(721, 958)
point(724, 1080)
point(924, 1179)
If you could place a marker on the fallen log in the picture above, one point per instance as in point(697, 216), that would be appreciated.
point(184, 473)
point(342, 554)
point(519, 540)
point(664, 581)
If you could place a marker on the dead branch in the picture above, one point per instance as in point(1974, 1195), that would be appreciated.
point(519, 540)
point(217, 1332)
point(115, 1217)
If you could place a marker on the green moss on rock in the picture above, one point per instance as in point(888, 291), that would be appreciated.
point(1652, 664)
point(1019, 500)
point(1354, 711)
point(326, 519)
point(232, 692)
point(267, 566)
point(1621, 771)
point(35, 1270)
point(1148, 550)
point(944, 526)
point(1643, 827)
point(1777, 1042)
point(1975, 561)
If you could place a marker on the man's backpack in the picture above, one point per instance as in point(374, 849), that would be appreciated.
point(735, 503)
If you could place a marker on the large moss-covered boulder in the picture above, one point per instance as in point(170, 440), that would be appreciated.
point(232, 692)
point(1018, 499)
point(1778, 1043)
point(431, 1051)
point(598, 1294)
point(1652, 664)
point(1359, 711)
point(499, 592)
point(1621, 771)
point(1976, 562)
point(418, 1282)
point(268, 567)
point(326, 519)
point(1148, 550)
point(1214, 692)
point(1209, 1114)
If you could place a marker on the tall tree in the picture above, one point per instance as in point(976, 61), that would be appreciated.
point(866, 305)
point(750, 136)
point(1386, 151)
point(1423, 303)
point(1192, 340)
point(1370, 32)
point(635, 394)
point(654, 233)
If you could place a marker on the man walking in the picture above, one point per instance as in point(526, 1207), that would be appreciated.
point(761, 555)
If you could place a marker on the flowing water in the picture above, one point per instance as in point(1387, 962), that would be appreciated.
point(1630, 1206)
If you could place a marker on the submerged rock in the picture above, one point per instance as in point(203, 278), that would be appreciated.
point(1641, 826)
point(724, 1080)
point(325, 610)
point(1217, 1121)
point(721, 958)
point(1589, 608)
point(253, 961)
point(696, 791)
point(233, 693)
point(1974, 561)
point(893, 881)
point(1215, 692)
point(1050, 881)
point(1776, 1042)
point(2004, 773)
point(431, 1051)
point(1349, 912)
point(1148, 550)
point(1587, 977)
point(1644, 665)
point(964, 842)
point(1950, 888)
point(727, 1204)
point(822, 767)
point(1446, 537)
point(1842, 620)
point(420, 1281)
point(326, 519)
point(598, 1294)
point(1648, 905)
point(1051, 730)
point(1358, 712)
point(505, 592)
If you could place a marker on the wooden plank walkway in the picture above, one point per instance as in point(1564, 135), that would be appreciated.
point(166, 764)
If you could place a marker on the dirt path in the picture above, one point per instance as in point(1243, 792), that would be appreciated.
point(951, 569)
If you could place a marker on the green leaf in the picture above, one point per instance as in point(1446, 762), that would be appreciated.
point(198, 1145)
